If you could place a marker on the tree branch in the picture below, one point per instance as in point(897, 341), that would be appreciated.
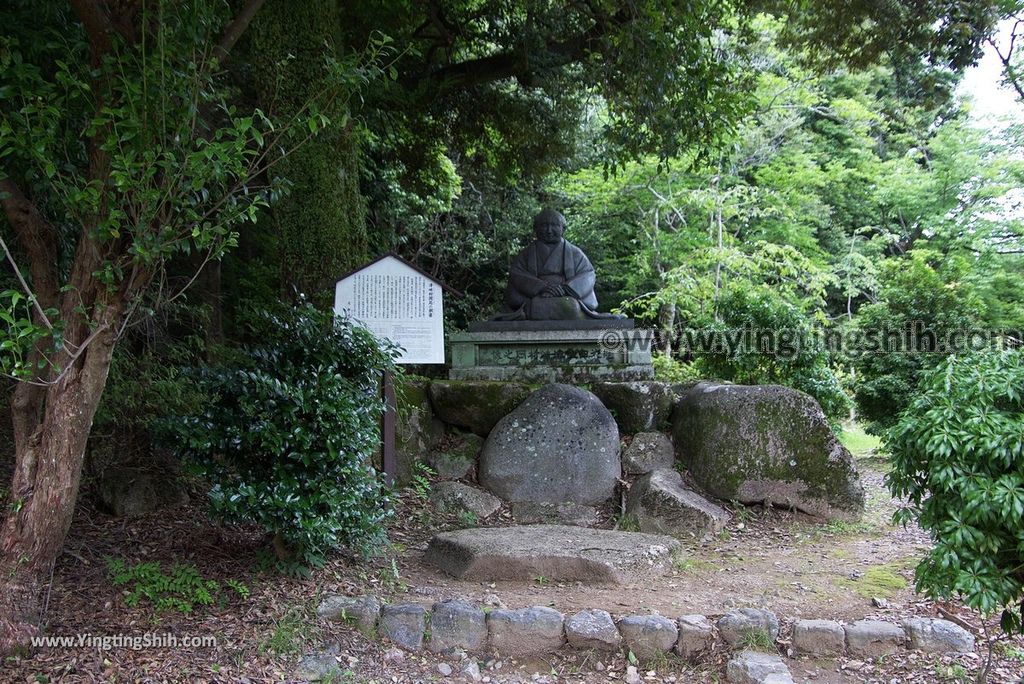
point(234, 30)
point(98, 26)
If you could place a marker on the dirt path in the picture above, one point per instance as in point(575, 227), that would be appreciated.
point(767, 558)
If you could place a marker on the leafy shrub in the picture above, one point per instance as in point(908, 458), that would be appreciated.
point(179, 589)
point(800, 359)
point(958, 459)
point(915, 298)
point(288, 437)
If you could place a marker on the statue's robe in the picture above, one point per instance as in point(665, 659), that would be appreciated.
point(539, 265)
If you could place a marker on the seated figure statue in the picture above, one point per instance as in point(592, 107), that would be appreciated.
point(552, 279)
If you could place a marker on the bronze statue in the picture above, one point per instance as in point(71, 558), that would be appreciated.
point(552, 279)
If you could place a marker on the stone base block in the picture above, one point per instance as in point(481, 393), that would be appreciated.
point(542, 356)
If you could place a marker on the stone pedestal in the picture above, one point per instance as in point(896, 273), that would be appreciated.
point(547, 355)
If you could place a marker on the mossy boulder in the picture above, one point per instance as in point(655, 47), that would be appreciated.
point(417, 430)
point(476, 406)
point(454, 457)
point(637, 406)
point(765, 444)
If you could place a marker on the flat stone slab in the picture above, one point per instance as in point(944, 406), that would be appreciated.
point(557, 552)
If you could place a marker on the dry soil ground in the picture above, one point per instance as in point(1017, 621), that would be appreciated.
point(767, 558)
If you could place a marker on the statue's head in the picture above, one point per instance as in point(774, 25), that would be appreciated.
point(548, 226)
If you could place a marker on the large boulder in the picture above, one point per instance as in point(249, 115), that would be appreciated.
point(765, 444)
point(637, 406)
point(475, 406)
point(560, 444)
point(417, 430)
point(662, 504)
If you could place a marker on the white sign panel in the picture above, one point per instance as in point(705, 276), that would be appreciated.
point(399, 303)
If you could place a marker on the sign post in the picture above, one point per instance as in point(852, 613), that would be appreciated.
point(397, 301)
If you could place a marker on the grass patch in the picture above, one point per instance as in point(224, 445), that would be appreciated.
point(881, 581)
point(859, 442)
point(628, 523)
point(758, 640)
point(293, 632)
point(684, 563)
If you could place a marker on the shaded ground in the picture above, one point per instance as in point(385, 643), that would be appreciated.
point(770, 558)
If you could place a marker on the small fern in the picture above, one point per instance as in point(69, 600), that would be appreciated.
point(180, 589)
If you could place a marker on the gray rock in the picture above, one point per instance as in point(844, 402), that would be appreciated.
point(526, 631)
point(314, 668)
point(933, 635)
point(445, 669)
point(417, 430)
point(471, 670)
point(662, 504)
point(475, 406)
point(696, 636)
point(404, 624)
point(566, 513)
point(750, 667)
point(648, 636)
point(560, 444)
point(592, 629)
point(819, 637)
point(736, 625)
point(455, 457)
point(361, 611)
point(765, 444)
point(128, 491)
point(873, 638)
point(456, 624)
point(648, 451)
point(453, 497)
point(557, 552)
point(637, 406)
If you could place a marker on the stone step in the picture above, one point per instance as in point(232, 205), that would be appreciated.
point(556, 552)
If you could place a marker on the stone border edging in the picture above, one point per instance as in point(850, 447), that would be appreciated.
point(454, 625)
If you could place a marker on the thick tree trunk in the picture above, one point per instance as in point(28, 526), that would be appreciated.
point(45, 486)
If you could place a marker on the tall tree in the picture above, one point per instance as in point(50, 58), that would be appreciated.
point(118, 139)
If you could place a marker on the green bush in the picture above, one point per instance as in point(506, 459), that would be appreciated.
point(288, 437)
point(958, 460)
point(800, 359)
point(915, 296)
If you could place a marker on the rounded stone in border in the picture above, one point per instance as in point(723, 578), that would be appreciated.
point(561, 444)
point(593, 629)
point(526, 631)
point(819, 637)
point(735, 625)
point(751, 667)
point(362, 611)
point(404, 624)
point(648, 636)
point(455, 457)
point(696, 636)
point(457, 624)
point(933, 635)
point(873, 638)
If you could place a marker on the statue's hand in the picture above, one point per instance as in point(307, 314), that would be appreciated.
point(552, 290)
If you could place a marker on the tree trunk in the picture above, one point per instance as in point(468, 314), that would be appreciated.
point(45, 486)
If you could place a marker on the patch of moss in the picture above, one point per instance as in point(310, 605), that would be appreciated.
point(882, 581)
